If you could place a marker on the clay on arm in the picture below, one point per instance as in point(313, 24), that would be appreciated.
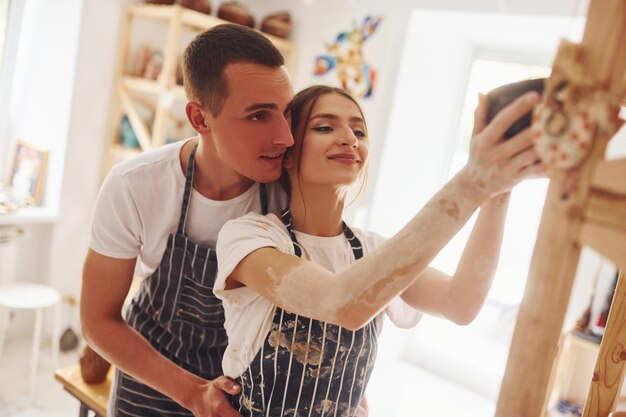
point(355, 296)
point(106, 282)
point(459, 298)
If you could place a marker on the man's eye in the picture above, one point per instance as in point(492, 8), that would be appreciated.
point(257, 116)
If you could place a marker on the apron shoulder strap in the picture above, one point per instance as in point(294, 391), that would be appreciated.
point(182, 222)
point(355, 243)
point(263, 197)
point(286, 218)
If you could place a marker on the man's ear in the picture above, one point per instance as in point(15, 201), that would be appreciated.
point(197, 116)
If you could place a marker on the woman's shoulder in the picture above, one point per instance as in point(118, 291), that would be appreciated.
point(254, 227)
point(254, 220)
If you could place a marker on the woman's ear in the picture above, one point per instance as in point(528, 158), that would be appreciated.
point(288, 162)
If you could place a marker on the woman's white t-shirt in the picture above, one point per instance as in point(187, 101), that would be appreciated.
point(248, 315)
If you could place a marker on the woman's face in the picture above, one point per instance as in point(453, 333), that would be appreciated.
point(335, 145)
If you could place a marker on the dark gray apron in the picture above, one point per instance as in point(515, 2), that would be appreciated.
point(176, 311)
point(306, 367)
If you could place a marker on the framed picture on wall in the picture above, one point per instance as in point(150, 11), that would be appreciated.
point(26, 175)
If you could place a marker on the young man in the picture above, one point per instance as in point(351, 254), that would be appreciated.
point(158, 216)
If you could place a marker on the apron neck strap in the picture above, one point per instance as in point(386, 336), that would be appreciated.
point(182, 222)
point(355, 243)
point(263, 197)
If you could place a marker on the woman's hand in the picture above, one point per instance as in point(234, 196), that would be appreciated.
point(496, 165)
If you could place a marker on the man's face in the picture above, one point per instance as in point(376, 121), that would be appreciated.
point(252, 132)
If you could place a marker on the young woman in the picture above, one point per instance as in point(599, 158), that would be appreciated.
point(303, 292)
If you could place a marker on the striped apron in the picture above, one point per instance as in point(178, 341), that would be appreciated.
point(176, 311)
point(307, 367)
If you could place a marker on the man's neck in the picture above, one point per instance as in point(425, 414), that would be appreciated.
point(212, 177)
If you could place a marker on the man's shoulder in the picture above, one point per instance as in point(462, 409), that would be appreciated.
point(154, 159)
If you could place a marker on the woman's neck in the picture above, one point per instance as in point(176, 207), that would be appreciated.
point(317, 211)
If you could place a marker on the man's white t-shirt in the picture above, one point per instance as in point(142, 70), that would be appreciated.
point(140, 202)
point(248, 315)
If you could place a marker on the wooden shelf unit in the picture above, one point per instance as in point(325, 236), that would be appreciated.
point(158, 97)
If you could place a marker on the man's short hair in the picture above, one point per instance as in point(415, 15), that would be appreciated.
point(209, 53)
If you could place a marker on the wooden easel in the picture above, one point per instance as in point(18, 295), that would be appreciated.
point(584, 206)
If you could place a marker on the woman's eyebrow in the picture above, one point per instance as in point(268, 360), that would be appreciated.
point(335, 117)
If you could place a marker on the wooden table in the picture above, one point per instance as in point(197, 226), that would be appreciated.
point(94, 397)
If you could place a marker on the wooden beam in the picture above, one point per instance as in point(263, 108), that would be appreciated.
point(608, 374)
point(607, 209)
point(603, 43)
point(611, 176)
point(143, 135)
point(153, 11)
point(610, 243)
point(524, 391)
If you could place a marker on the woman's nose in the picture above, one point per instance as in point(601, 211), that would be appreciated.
point(348, 138)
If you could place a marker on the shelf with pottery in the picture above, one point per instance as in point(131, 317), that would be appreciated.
point(154, 106)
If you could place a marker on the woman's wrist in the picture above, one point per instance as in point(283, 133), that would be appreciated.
point(499, 200)
point(471, 188)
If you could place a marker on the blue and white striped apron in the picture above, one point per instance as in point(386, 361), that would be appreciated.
point(176, 311)
point(307, 367)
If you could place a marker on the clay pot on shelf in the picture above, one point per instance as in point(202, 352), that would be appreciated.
point(167, 2)
point(277, 24)
point(236, 12)
point(202, 6)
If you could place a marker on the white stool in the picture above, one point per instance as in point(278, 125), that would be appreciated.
point(29, 296)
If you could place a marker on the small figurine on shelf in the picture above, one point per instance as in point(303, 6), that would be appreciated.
point(11, 201)
point(127, 134)
point(600, 325)
point(147, 62)
point(567, 408)
point(140, 60)
point(154, 65)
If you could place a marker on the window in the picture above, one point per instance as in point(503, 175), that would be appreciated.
point(4, 9)
point(486, 341)
point(449, 57)
point(10, 18)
